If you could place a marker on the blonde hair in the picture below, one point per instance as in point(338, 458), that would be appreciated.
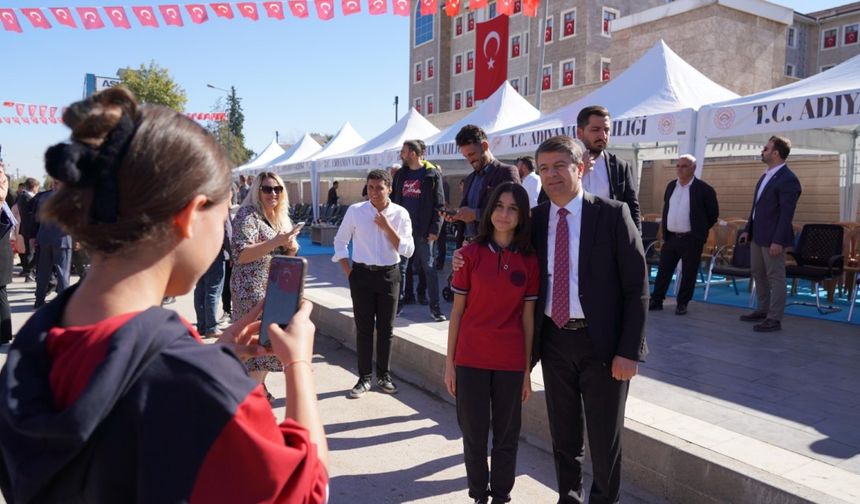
point(282, 219)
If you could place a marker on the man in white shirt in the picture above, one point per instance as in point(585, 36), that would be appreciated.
point(381, 232)
point(531, 180)
point(690, 208)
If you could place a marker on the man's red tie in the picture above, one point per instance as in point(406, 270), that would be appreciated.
point(561, 272)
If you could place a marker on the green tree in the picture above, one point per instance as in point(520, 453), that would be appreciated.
point(230, 132)
point(153, 84)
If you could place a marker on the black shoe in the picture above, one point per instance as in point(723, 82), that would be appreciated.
point(361, 388)
point(681, 309)
point(436, 313)
point(654, 305)
point(407, 300)
point(29, 277)
point(753, 317)
point(769, 325)
point(422, 299)
point(38, 304)
point(386, 384)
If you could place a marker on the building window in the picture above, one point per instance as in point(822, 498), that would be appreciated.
point(568, 18)
point(546, 81)
point(429, 104)
point(518, 6)
point(458, 26)
point(566, 69)
point(608, 15)
point(430, 65)
point(604, 69)
point(789, 70)
point(418, 105)
point(470, 99)
point(418, 74)
point(458, 103)
point(828, 38)
point(423, 27)
point(492, 10)
point(470, 21)
point(850, 34)
point(792, 37)
point(547, 32)
point(470, 61)
point(525, 90)
point(515, 83)
point(525, 42)
point(515, 46)
point(458, 64)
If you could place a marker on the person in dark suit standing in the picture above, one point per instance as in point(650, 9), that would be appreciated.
point(690, 208)
point(589, 319)
point(769, 227)
point(609, 177)
point(488, 172)
point(25, 208)
point(55, 250)
point(7, 224)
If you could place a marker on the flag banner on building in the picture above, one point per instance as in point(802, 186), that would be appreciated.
point(163, 15)
point(33, 113)
point(491, 47)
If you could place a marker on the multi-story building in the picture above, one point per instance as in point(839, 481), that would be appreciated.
point(822, 39)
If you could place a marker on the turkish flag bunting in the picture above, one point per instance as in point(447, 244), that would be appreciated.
point(42, 110)
point(171, 15)
point(505, 7)
point(7, 120)
point(19, 108)
point(118, 17)
point(350, 7)
point(90, 18)
point(146, 16)
point(37, 18)
point(377, 7)
point(25, 120)
point(325, 9)
point(477, 4)
point(31, 109)
point(197, 12)
point(52, 111)
point(222, 10)
point(274, 9)
point(429, 7)
point(299, 8)
point(16, 120)
point(400, 7)
point(452, 7)
point(10, 20)
point(64, 16)
point(530, 7)
point(248, 10)
point(491, 46)
point(43, 120)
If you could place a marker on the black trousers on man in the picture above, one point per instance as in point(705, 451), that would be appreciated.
point(5, 316)
point(53, 260)
point(580, 390)
point(679, 247)
point(374, 291)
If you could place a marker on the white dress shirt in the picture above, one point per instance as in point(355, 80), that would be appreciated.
point(678, 216)
point(574, 224)
point(596, 179)
point(767, 176)
point(532, 184)
point(370, 245)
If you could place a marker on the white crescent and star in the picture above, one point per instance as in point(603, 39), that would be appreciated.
point(248, 9)
point(146, 14)
point(300, 8)
point(493, 35)
point(90, 16)
point(377, 4)
point(35, 16)
point(275, 8)
point(171, 12)
point(401, 4)
point(223, 9)
point(8, 16)
point(351, 5)
point(197, 11)
point(62, 14)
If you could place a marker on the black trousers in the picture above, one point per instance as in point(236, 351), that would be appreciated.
point(28, 258)
point(53, 260)
point(408, 290)
point(485, 396)
point(226, 296)
point(580, 391)
point(442, 246)
point(5, 316)
point(685, 248)
point(374, 303)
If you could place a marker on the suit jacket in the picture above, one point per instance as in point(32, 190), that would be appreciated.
point(48, 234)
point(621, 186)
point(6, 256)
point(704, 209)
point(613, 281)
point(25, 209)
point(774, 210)
point(499, 172)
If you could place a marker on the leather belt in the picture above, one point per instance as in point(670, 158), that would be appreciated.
point(680, 235)
point(575, 324)
point(373, 267)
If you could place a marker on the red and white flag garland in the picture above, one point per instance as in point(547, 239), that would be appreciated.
point(50, 114)
point(171, 14)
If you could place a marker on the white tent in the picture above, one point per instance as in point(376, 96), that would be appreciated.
point(504, 109)
point(272, 151)
point(821, 111)
point(380, 151)
point(653, 100)
point(299, 151)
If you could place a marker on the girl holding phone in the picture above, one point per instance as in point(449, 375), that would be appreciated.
point(490, 340)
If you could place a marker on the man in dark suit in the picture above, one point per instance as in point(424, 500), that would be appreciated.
point(7, 224)
point(488, 172)
point(769, 227)
point(690, 208)
point(55, 250)
point(591, 334)
point(609, 177)
point(28, 229)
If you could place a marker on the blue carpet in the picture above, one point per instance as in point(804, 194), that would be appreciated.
point(308, 248)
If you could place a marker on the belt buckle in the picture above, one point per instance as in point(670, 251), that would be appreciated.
point(575, 324)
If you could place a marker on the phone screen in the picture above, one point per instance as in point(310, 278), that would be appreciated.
point(283, 292)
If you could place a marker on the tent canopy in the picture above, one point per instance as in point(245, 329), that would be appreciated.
point(301, 150)
point(343, 141)
point(272, 151)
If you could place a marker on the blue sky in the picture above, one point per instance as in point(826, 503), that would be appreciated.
point(294, 75)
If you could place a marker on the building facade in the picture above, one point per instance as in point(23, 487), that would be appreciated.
point(820, 40)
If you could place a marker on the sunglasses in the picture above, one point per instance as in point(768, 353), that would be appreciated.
point(272, 189)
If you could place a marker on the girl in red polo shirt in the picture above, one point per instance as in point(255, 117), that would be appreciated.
point(490, 340)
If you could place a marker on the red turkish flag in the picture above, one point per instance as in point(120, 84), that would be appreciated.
point(299, 8)
point(53, 120)
point(146, 16)
point(118, 17)
point(64, 16)
point(274, 9)
point(90, 18)
point(530, 7)
point(491, 46)
point(429, 7)
point(43, 120)
point(350, 7)
point(400, 7)
point(325, 9)
point(10, 20)
point(248, 10)
point(16, 120)
point(19, 108)
point(197, 12)
point(377, 7)
point(477, 4)
point(37, 18)
point(222, 10)
point(7, 120)
point(52, 111)
point(25, 120)
point(42, 110)
point(452, 7)
point(505, 7)
point(31, 109)
point(171, 15)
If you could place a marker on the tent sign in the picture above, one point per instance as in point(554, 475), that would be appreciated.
point(820, 107)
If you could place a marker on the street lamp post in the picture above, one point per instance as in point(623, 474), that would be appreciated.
point(229, 133)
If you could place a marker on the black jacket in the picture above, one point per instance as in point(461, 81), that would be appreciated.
point(26, 212)
point(621, 186)
point(432, 199)
point(704, 209)
point(774, 210)
point(499, 172)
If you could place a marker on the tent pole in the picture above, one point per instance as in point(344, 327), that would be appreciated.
point(850, 209)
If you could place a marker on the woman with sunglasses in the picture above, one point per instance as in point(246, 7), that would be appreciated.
point(261, 229)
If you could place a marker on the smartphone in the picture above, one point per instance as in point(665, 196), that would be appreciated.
point(450, 211)
point(283, 292)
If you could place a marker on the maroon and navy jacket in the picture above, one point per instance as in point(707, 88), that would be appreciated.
point(137, 409)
